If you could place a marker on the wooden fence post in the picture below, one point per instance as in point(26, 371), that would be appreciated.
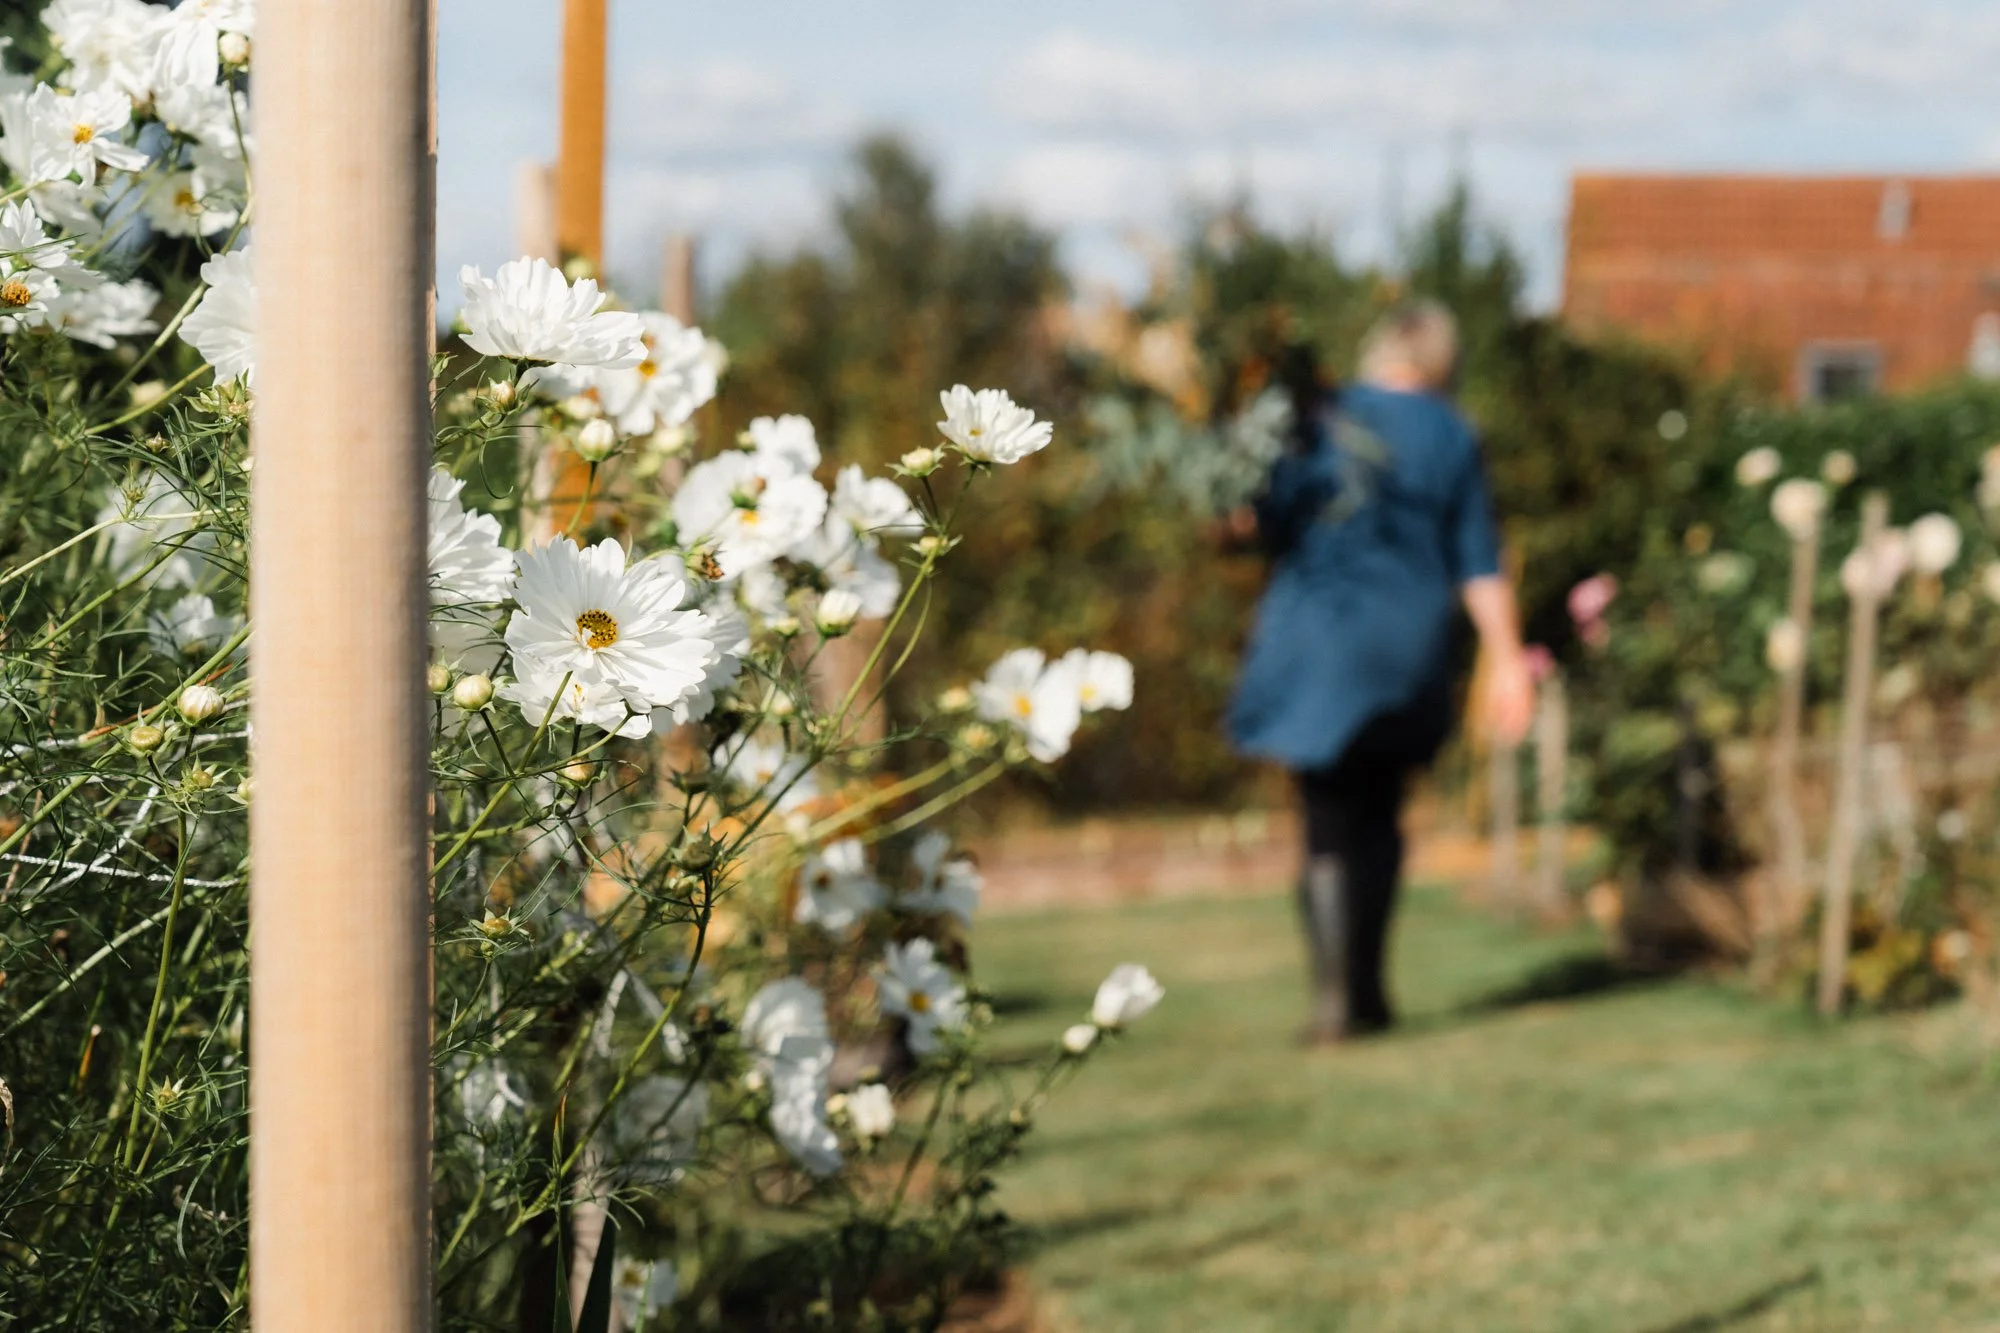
point(1503, 788)
point(580, 160)
point(677, 295)
point(339, 900)
point(1865, 602)
point(1551, 791)
point(1782, 904)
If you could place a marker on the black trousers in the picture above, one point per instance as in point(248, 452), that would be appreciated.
point(1354, 865)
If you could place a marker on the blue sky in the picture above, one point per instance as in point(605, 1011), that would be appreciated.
point(1105, 118)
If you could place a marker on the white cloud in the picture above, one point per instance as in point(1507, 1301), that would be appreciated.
point(729, 108)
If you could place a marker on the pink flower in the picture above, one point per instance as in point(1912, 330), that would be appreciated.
point(1590, 599)
point(1541, 662)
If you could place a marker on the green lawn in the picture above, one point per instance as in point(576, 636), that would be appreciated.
point(1535, 1149)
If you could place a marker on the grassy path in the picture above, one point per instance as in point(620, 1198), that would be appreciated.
point(1536, 1150)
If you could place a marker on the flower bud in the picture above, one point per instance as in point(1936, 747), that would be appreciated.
point(702, 564)
point(930, 544)
point(838, 610)
point(145, 738)
point(199, 778)
point(579, 772)
point(494, 925)
point(781, 704)
point(579, 407)
point(437, 678)
point(199, 703)
point(785, 627)
point(955, 700)
point(669, 441)
point(597, 441)
point(977, 737)
point(472, 692)
point(234, 49)
point(921, 462)
point(244, 790)
point(501, 392)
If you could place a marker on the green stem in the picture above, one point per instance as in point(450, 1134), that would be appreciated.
point(159, 995)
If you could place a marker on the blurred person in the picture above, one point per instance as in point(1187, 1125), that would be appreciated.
point(1379, 525)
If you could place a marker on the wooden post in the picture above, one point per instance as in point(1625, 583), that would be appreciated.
point(580, 163)
point(1865, 601)
point(677, 278)
point(1552, 789)
point(1781, 906)
point(535, 212)
point(1504, 796)
point(339, 971)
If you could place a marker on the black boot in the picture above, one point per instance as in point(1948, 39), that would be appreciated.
point(1324, 910)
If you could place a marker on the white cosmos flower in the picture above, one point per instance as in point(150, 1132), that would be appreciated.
point(848, 562)
point(529, 312)
point(990, 426)
point(1797, 505)
point(471, 573)
point(25, 242)
point(190, 627)
point(788, 441)
point(917, 988)
point(189, 49)
point(947, 885)
point(223, 325)
point(729, 630)
point(642, 1288)
point(1041, 700)
point(607, 628)
point(152, 517)
point(785, 1008)
point(181, 203)
point(873, 507)
point(1934, 543)
point(871, 1110)
point(798, 1076)
point(667, 387)
point(108, 43)
point(657, 1127)
point(765, 768)
point(103, 314)
point(755, 507)
point(1758, 466)
point(836, 887)
point(1837, 468)
point(1104, 680)
point(1127, 995)
point(47, 136)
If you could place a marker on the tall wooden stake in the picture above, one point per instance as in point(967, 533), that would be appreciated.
point(1856, 698)
point(535, 212)
point(1551, 789)
point(580, 164)
point(1503, 789)
point(677, 278)
point(1781, 906)
point(339, 972)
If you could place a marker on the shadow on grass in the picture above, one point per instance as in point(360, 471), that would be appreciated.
point(1054, 1235)
point(1022, 1003)
point(1575, 976)
point(1749, 1307)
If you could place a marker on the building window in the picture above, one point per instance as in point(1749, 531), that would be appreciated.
point(1830, 372)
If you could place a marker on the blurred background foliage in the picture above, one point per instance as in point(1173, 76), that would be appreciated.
point(1604, 456)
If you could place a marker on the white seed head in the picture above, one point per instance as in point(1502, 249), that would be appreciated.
point(473, 692)
point(597, 441)
point(199, 703)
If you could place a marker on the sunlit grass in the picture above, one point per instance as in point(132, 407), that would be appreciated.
point(1658, 1158)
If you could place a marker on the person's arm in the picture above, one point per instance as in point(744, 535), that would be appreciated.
point(1508, 702)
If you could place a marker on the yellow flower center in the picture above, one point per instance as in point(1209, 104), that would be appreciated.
point(185, 201)
point(747, 517)
point(1024, 706)
point(598, 628)
point(15, 294)
point(1088, 694)
point(648, 368)
point(82, 134)
point(920, 1003)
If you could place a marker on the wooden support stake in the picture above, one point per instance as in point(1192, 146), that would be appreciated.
point(1504, 795)
point(1552, 789)
point(1857, 696)
point(535, 212)
point(677, 297)
point(339, 970)
point(1782, 904)
point(580, 164)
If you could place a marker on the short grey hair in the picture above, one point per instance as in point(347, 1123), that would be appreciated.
point(1421, 335)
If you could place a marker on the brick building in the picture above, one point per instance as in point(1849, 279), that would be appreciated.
point(1821, 286)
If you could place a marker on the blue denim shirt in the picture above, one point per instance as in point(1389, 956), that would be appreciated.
point(1372, 534)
